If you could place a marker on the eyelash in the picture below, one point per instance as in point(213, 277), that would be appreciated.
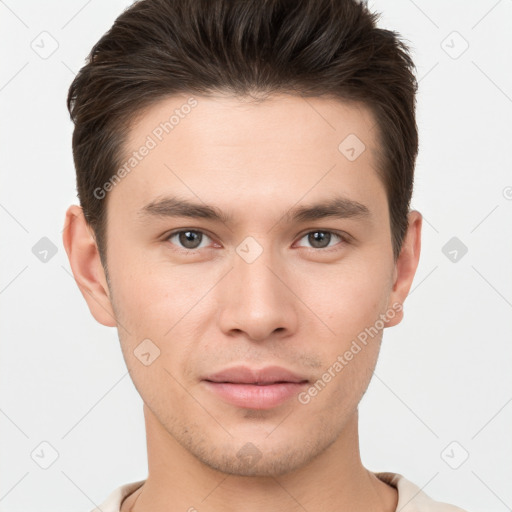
point(343, 238)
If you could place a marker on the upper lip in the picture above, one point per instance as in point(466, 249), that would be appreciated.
point(246, 375)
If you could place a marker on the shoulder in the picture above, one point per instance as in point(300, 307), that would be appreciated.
point(411, 498)
point(114, 500)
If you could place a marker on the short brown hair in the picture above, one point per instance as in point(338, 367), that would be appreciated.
point(158, 48)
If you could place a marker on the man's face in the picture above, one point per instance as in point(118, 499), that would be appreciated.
point(262, 289)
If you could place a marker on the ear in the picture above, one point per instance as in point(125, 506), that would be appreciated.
point(85, 262)
point(405, 266)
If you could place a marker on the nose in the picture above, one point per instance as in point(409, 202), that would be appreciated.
point(257, 299)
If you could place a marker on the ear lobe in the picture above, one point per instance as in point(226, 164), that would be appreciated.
point(86, 266)
point(406, 265)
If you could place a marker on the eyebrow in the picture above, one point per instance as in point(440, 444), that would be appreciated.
point(337, 207)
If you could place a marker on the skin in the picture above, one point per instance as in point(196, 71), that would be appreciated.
point(296, 305)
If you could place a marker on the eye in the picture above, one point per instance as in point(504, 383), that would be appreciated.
point(320, 239)
point(189, 239)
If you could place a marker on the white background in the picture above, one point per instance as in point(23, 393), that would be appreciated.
point(443, 374)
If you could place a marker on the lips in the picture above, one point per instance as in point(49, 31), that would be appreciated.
point(255, 388)
point(260, 377)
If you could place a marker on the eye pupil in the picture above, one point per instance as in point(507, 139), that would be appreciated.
point(314, 239)
point(186, 238)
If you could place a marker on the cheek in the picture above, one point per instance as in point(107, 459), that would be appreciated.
point(167, 304)
point(152, 295)
point(347, 298)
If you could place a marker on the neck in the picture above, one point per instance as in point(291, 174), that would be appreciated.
point(334, 481)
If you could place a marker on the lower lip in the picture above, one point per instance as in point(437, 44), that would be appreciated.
point(252, 396)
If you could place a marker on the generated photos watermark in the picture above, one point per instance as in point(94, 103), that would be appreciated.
point(343, 359)
point(151, 142)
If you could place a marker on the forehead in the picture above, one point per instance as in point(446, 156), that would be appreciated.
point(218, 148)
point(213, 118)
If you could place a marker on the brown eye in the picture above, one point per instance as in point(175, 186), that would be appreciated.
point(321, 239)
point(187, 239)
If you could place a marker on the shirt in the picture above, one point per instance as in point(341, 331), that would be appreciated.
point(410, 497)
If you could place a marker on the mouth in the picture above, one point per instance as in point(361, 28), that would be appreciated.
point(256, 376)
point(257, 383)
point(250, 388)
